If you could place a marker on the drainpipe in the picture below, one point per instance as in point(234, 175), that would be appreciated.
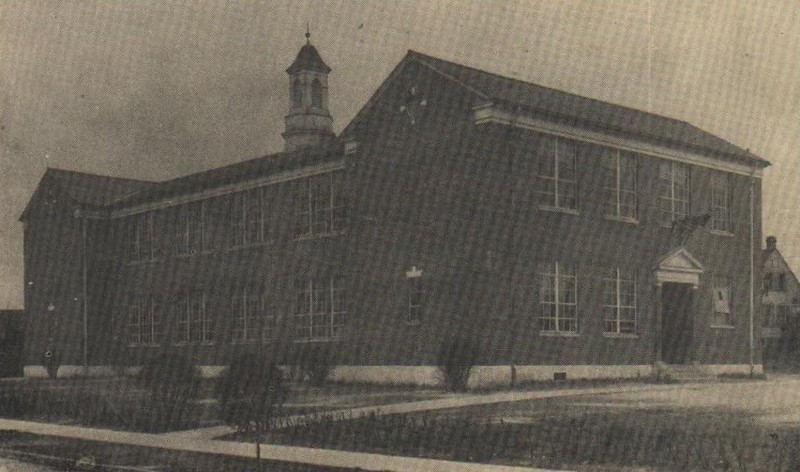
point(752, 272)
point(85, 299)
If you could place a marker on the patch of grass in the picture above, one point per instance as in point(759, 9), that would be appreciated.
point(564, 437)
point(65, 452)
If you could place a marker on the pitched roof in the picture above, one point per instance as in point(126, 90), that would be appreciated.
point(233, 173)
point(308, 59)
point(569, 108)
point(85, 189)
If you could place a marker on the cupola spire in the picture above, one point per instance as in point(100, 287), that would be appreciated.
point(308, 122)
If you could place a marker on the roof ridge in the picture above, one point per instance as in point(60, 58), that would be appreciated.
point(77, 172)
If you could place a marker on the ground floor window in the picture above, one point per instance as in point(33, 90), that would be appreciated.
point(776, 316)
point(319, 308)
point(253, 319)
point(558, 288)
point(193, 322)
point(143, 321)
point(722, 302)
point(415, 295)
point(619, 301)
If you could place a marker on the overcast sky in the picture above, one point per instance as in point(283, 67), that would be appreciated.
point(156, 89)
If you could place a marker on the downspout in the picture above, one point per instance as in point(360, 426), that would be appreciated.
point(85, 299)
point(752, 272)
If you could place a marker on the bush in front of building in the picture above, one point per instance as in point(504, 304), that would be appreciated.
point(171, 381)
point(316, 363)
point(457, 357)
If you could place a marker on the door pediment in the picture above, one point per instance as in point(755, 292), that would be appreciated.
point(679, 266)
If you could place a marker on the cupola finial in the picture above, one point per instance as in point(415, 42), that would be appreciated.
point(308, 34)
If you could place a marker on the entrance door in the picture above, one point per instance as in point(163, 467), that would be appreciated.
point(676, 322)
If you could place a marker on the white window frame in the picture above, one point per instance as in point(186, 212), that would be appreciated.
point(305, 327)
point(721, 282)
point(253, 320)
point(415, 297)
point(143, 229)
point(618, 307)
point(721, 214)
point(556, 197)
point(555, 273)
point(673, 199)
point(187, 225)
point(309, 216)
point(616, 191)
point(143, 313)
point(189, 322)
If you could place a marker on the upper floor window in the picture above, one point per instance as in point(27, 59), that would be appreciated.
point(781, 282)
point(720, 202)
point(319, 308)
point(193, 322)
point(557, 173)
point(253, 320)
point(619, 183)
point(320, 205)
point(142, 242)
point(722, 302)
point(143, 320)
point(619, 301)
point(297, 94)
point(190, 234)
point(249, 217)
point(673, 193)
point(558, 293)
point(316, 94)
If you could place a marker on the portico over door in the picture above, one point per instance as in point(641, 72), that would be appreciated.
point(679, 267)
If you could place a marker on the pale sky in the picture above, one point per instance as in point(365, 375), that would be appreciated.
point(157, 89)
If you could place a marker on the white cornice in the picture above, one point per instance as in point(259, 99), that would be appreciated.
point(489, 113)
point(233, 188)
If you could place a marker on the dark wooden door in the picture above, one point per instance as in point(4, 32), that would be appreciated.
point(676, 323)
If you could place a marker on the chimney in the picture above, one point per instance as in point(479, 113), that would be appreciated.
point(772, 243)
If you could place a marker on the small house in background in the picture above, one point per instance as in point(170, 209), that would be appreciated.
point(780, 297)
point(11, 343)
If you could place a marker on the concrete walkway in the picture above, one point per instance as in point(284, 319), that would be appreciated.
point(291, 454)
point(454, 401)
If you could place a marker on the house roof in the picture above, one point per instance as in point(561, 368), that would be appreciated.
point(232, 174)
point(569, 108)
point(308, 59)
point(85, 189)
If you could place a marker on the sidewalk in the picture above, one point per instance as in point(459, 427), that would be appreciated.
point(291, 454)
point(454, 401)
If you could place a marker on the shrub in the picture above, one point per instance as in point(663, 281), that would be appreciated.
point(171, 381)
point(456, 359)
point(250, 393)
point(316, 364)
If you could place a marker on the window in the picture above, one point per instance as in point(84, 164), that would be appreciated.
point(316, 94)
point(142, 243)
point(297, 94)
point(319, 309)
point(190, 234)
point(193, 320)
point(777, 316)
point(143, 321)
point(557, 174)
point(782, 282)
point(722, 302)
point(252, 315)
point(673, 191)
point(720, 202)
point(415, 296)
point(620, 183)
point(619, 301)
point(249, 221)
point(320, 205)
point(558, 299)
point(768, 282)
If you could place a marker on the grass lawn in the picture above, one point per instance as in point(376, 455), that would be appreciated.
point(589, 433)
point(62, 454)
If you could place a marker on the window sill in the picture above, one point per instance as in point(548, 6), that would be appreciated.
point(143, 345)
point(559, 334)
point(621, 335)
point(719, 232)
point(413, 323)
point(316, 340)
point(622, 219)
point(195, 343)
point(568, 211)
point(722, 327)
point(330, 234)
point(251, 342)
